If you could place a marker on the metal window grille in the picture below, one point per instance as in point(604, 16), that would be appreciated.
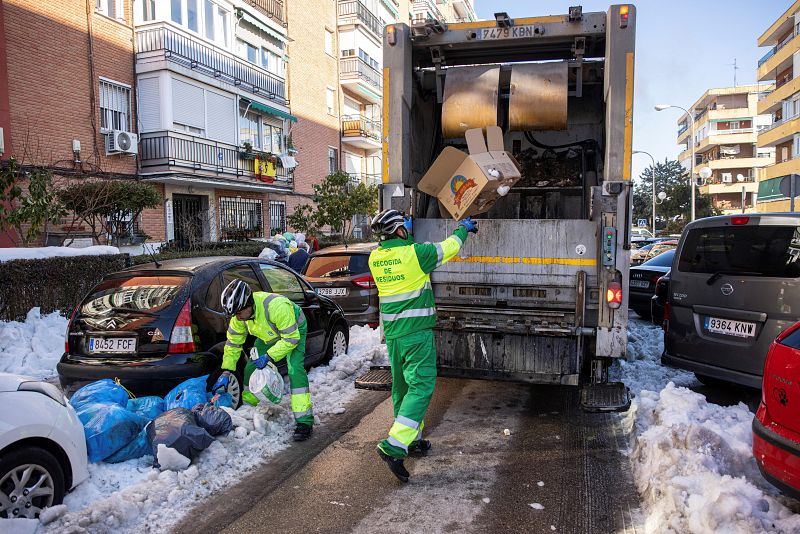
point(241, 218)
point(115, 106)
point(277, 216)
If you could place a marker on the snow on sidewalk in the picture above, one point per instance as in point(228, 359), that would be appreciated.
point(38, 253)
point(32, 347)
point(692, 459)
point(135, 497)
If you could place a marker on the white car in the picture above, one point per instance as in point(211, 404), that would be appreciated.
point(42, 447)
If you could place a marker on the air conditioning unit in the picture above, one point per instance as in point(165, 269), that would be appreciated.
point(727, 178)
point(121, 142)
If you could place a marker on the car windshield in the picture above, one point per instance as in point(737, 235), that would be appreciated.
point(662, 260)
point(337, 265)
point(771, 251)
point(135, 294)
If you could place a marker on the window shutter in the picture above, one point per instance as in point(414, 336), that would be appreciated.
point(187, 104)
point(149, 104)
point(221, 118)
point(119, 9)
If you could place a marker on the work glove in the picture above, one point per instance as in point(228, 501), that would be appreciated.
point(262, 361)
point(470, 225)
point(408, 223)
point(222, 382)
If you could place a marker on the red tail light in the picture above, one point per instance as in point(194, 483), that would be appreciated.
point(614, 295)
point(739, 220)
point(69, 327)
point(623, 16)
point(365, 282)
point(182, 338)
point(665, 321)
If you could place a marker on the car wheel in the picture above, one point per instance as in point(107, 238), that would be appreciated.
point(337, 343)
point(31, 479)
point(711, 381)
point(236, 385)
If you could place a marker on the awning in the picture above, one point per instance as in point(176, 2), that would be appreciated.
point(770, 189)
point(261, 26)
point(272, 111)
point(734, 119)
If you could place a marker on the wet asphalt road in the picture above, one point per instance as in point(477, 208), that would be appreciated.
point(559, 470)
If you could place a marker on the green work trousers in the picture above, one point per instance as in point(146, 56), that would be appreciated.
point(298, 378)
point(413, 361)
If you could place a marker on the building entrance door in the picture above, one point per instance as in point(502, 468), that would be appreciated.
point(188, 210)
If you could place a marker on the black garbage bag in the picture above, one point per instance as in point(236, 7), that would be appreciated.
point(178, 429)
point(215, 420)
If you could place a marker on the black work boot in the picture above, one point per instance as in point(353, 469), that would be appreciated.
point(419, 447)
point(302, 432)
point(396, 465)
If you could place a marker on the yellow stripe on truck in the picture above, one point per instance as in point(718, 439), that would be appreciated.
point(581, 262)
point(628, 136)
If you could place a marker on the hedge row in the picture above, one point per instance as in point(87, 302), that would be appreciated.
point(250, 248)
point(52, 284)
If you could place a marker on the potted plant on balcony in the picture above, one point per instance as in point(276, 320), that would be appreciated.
point(246, 151)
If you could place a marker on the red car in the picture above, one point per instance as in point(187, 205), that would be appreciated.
point(776, 426)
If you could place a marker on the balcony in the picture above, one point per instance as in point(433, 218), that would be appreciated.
point(774, 99)
point(780, 131)
point(361, 132)
point(784, 168)
point(734, 163)
point(359, 76)
point(780, 58)
point(163, 42)
point(354, 12)
point(426, 9)
point(207, 161)
point(274, 9)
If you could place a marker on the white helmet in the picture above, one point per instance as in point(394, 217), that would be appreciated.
point(387, 222)
point(235, 297)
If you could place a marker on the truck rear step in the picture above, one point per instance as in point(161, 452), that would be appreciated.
point(605, 397)
point(378, 378)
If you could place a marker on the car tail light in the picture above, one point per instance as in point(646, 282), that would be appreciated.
point(665, 321)
point(365, 282)
point(661, 286)
point(739, 220)
point(182, 338)
point(614, 295)
point(69, 327)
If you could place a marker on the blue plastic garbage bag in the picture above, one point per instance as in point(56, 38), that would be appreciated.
point(222, 399)
point(108, 428)
point(187, 394)
point(104, 391)
point(215, 420)
point(147, 407)
point(137, 448)
point(179, 430)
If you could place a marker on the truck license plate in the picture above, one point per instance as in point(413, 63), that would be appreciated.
point(644, 284)
point(730, 328)
point(333, 291)
point(514, 32)
point(99, 345)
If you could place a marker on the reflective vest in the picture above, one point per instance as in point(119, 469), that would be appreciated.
point(276, 321)
point(401, 269)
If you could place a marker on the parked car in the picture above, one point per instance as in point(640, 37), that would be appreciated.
point(42, 447)
point(776, 427)
point(734, 286)
point(640, 233)
point(643, 280)
point(638, 255)
point(655, 250)
point(342, 273)
point(156, 325)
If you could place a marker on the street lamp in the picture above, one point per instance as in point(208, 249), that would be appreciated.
point(740, 179)
point(662, 196)
point(653, 176)
point(662, 107)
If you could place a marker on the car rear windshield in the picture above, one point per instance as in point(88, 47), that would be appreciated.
point(141, 293)
point(337, 265)
point(662, 260)
point(751, 250)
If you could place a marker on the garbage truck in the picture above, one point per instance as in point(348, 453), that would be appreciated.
point(539, 294)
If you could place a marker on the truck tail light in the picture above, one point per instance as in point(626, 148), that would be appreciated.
point(391, 35)
point(182, 338)
point(614, 295)
point(365, 282)
point(69, 327)
point(624, 13)
point(738, 221)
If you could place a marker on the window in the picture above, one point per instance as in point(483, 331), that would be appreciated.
point(330, 99)
point(115, 106)
point(247, 51)
point(259, 131)
point(328, 42)
point(734, 125)
point(176, 11)
point(111, 8)
point(333, 160)
point(367, 59)
point(272, 137)
point(148, 10)
point(192, 20)
point(139, 293)
point(222, 24)
point(208, 14)
point(337, 266)
point(348, 53)
point(248, 129)
point(283, 282)
point(216, 23)
point(272, 62)
point(277, 216)
point(241, 218)
point(241, 272)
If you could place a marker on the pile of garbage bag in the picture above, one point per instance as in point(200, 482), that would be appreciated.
point(119, 427)
point(281, 246)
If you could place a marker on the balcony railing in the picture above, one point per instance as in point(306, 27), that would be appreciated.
point(422, 8)
point(360, 126)
point(682, 128)
point(362, 178)
point(274, 9)
point(177, 150)
point(214, 62)
point(352, 11)
point(350, 67)
point(775, 49)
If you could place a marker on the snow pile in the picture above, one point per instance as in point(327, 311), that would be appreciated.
point(135, 497)
point(38, 253)
point(693, 461)
point(33, 347)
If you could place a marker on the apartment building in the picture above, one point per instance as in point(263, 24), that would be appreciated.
point(444, 10)
point(781, 64)
point(726, 122)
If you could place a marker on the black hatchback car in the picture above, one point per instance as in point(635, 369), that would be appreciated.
point(156, 325)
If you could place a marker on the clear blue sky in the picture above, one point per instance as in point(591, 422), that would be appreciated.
point(683, 48)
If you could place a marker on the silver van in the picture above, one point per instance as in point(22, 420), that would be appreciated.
point(735, 285)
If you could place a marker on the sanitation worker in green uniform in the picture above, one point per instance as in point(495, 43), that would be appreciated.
point(401, 270)
point(280, 328)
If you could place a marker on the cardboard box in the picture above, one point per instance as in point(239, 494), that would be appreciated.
point(467, 184)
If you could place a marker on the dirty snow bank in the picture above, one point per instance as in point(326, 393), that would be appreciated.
point(692, 459)
point(38, 253)
point(135, 497)
point(32, 347)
